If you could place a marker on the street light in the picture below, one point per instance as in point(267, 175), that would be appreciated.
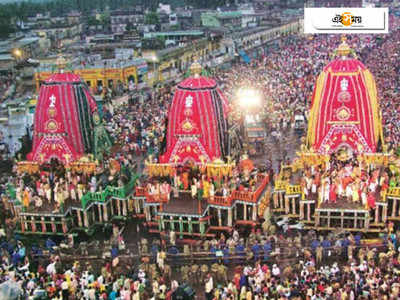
point(17, 53)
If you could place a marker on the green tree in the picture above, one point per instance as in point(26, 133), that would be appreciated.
point(6, 24)
point(152, 18)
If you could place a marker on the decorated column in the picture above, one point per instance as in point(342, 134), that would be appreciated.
point(287, 206)
point(78, 213)
point(100, 212)
point(85, 218)
point(105, 212)
point(301, 210)
point(124, 208)
point(53, 225)
point(190, 225)
point(43, 225)
point(254, 209)
point(33, 224)
point(180, 226)
point(230, 217)
point(394, 209)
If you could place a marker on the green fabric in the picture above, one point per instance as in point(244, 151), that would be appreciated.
point(102, 142)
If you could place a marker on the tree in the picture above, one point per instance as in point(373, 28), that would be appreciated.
point(152, 18)
point(6, 24)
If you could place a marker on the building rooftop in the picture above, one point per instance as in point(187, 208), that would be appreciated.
point(174, 33)
point(5, 57)
point(98, 64)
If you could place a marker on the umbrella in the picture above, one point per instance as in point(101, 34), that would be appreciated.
point(10, 290)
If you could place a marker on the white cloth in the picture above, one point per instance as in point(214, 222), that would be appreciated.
point(209, 285)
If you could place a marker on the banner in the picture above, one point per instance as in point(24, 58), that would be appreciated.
point(346, 20)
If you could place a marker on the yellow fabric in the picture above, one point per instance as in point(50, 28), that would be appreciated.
point(314, 109)
point(377, 122)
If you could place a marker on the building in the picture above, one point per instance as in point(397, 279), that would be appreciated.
point(125, 20)
point(16, 119)
point(175, 37)
point(110, 73)
point(29, 47)
point(232, 19)
point(60, 33)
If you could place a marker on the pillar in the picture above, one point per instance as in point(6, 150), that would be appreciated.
point(78, 212)
point(105, 212)
point(162, 223)
point(33, 224)
point(100, 212)
point(172, 223)
point(199, 206)
point(190, 225)
point(112, 207)
point(275, 198)
point(342, 219)
point(280, 195)
point(355, 220)
point(136, 205)
point(219, 218)
point(53, 225)
point(384, 215)
point(329, 219)
point(159, 221)
point(124, 208)
point(394, 207)
point(180, 226)
point(23, 224)
point(294, 205)
point(64, 225)
point(43, 225)
point(254, 210)
point(366, 220)
point(230, 217)
point(202, 228)
point(287, 206)
point(245, 212)
point(377, 214)
point(85, 219)
point(308, 212)
point(147, 213)
point(301, 210)
point(118, 207)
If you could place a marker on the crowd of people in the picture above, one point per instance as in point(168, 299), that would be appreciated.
point(265, 264)
point(345, 179)
point(285, 77)
point(202, 185)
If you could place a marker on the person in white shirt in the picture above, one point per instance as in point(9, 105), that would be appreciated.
point(209, 287)
point(276, 271)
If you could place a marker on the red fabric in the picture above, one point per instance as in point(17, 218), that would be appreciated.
point(371, 200)
point(193, 130)
point(357, 124)
point(57, 132)
point(332, 193)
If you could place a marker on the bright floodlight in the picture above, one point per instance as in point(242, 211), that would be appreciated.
point(154, 58)
point(249, 98)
